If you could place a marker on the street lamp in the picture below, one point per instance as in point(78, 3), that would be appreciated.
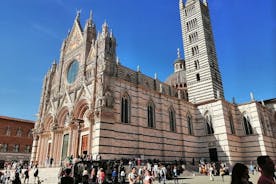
point(79, 121)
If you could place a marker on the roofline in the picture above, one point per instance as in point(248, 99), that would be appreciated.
point(17, 119)
point(270, 100)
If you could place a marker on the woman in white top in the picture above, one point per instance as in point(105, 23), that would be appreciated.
point(148, 179)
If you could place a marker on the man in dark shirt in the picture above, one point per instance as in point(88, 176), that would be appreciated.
point(67, 179)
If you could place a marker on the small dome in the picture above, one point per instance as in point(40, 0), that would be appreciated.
point(177, 79)
point(179, 60)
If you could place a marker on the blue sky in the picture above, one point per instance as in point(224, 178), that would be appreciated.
point(148, 34)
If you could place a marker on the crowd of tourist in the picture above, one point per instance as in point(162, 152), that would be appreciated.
point(18, 172)
point(120, 171)
point(85, 170)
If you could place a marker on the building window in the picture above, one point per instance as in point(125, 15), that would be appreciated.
point(4, 147)
point(192, 24)
point(195, 51)
point(232, 128)
point(28, 149)
point(190, 125)
point(247, 126)
point(190, 10)
point(197, 77)
point(30, 133)
point(172, 120)
point(65, 144)
point(209, 124)
point(16, 148)
point(193, 37)
point(151, 115)
point(72, 72)
point(19, 132)
point(196, 64)
point(8, 131)
point(125, 109)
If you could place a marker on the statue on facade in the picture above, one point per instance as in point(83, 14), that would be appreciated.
point(109, 99)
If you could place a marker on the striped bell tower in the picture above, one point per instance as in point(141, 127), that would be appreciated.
point(202, 71)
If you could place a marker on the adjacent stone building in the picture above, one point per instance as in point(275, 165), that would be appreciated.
point(90, 102)
point(15, 139)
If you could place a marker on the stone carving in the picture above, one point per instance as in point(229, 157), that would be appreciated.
point(108, 99)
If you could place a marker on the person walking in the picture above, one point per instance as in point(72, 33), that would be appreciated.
point(163, 173)
point(35, 173)
point(16, 179)
point(148, 179)
point(122, 176)
point(222, 172)
point(132, 176)
point(26, 175)
point(175, 175)
point(211, 172)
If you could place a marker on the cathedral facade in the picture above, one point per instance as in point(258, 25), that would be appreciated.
point(92, 104)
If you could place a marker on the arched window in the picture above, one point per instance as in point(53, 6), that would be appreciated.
point(231, 122)
point(30, 133)
point(172, 120)
point(197, 77)
point(209, 124)
point(151, 115)
point(19, 132)
point(247, 125)
point(125, 109)
point(190, 125)
point(4, 148)
point(16, 148)
point(196, 62)
point(28, 149)
point(8, 131)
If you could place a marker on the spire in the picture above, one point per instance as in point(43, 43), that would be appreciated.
point(77, 20)
point(178, 53)
point(138, 68)
point(89, 21)
point(252, 97)
point(90, 15)
point(104, 28)
point(78, 15)
point(117, 61)
point(155, 76)
point(54, 65)
point(111, 34)
point(54, 62)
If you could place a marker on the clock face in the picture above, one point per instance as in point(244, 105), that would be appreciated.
point(72, 71)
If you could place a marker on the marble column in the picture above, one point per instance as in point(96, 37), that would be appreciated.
point(34, 148)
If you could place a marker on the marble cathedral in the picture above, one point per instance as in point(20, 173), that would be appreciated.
point(92, 104)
